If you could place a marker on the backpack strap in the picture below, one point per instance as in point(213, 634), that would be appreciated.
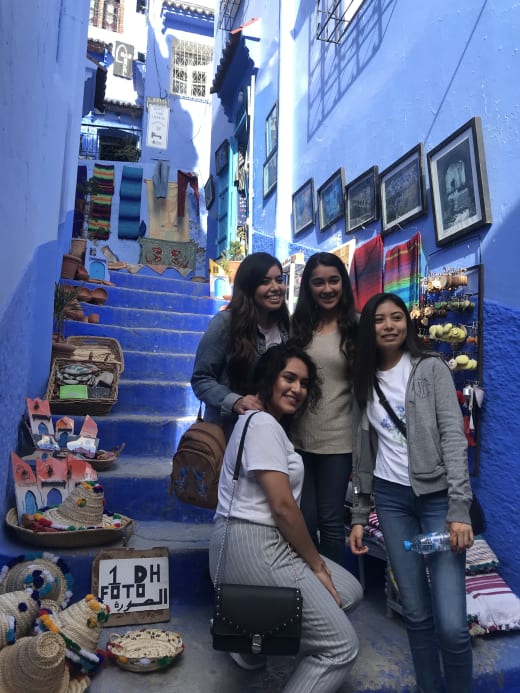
point(399, 423)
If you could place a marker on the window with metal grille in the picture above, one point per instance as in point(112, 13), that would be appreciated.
point(107, 14)
point(191, 69)
point(227, 12)
point(333, 18)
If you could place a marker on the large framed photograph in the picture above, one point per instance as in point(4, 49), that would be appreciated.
point(331, 199)
point(402, 190)
point(222, 157)
point(209, 191)
point(459, 185)
point(270, 173)
point(303, 211)
point(271, 131)
point(362, 200)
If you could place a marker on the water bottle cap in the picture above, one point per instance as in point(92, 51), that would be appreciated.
point(407, 545)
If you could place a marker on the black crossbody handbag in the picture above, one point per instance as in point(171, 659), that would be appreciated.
point(254, 619)
point(476, 512)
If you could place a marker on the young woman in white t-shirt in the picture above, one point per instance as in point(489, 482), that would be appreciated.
point(420, 483)
point(267, 541)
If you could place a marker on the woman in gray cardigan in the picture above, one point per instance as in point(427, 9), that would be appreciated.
point(255, 319)
point(420, 483)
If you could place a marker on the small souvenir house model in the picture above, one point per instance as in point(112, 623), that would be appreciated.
point(40, 420)
point(45, 480)
point(64, 431)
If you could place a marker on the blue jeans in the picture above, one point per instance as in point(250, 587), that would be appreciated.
point(323, 501)
point(435, 611)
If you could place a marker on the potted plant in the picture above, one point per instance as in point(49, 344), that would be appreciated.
point(65, 301)
point(231, 259)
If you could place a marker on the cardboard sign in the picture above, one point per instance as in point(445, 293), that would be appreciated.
point(134, 583)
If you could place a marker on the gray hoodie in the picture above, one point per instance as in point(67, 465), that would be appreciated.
point(437, 446)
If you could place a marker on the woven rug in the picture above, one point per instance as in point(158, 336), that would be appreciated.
point(366, 271)
point(130, 202)
point(79, 205)
point(163, 222)
point(101, 203)
point(178, 255)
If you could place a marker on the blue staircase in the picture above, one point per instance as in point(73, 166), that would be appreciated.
point(158, 322)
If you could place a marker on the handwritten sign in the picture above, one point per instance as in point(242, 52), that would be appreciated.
point(158, 123)
point(134, 583)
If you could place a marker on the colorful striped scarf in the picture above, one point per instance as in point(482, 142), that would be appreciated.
point(366, 271)
point(402, 272)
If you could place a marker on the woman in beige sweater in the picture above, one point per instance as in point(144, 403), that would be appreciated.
point(324, 323)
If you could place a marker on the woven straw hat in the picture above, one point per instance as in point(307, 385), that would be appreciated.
point(18, 611)
point(44, 572)
point(81, 509)
point(80, 625)
point(35, 664)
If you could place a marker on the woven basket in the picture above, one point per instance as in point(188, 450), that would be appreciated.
point(95, 406)
point(73, 539)
point(145, 650)
point(100, 349)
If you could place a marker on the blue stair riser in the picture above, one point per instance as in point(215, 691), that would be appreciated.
point(144, 436)
point(139, 339)
point(147, 365)
point(148, 499)
point(169, 398)
point(137, 317)
point(154, 282)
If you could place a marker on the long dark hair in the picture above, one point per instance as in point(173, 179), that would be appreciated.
point(272, 363)
point(367, 357)
point(306, 316)
point(244, 323)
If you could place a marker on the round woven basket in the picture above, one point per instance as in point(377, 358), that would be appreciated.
point(72, 539)
point(145, 650)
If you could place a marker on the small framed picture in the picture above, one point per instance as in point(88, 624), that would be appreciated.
point(402, 190)
point(209, 191)
point(459, 185)
point(303, 211)
point(270, 173)
point(222, 157)
point(362, 200)
point(271, 131)
point(331, 200)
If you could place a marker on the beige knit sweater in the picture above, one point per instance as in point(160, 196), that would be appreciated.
point(327, 429)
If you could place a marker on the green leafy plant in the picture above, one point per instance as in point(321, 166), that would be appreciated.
point(65, 298)
point(235, 252)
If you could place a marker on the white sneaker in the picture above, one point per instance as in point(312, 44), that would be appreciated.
point(249, 662)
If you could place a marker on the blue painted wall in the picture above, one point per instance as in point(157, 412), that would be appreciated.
point(404, 73)
point(42, 52)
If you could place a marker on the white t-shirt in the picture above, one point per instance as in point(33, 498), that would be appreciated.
point(392, 453)
point(267, 447)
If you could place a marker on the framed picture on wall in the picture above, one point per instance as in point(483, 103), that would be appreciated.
point(222, 157)
point(270, 173)
point(271, 131)
point(209, 191)
point(402, 190)
point(331, 200)
point(362, 200)
point(459, 185)
point(303, 211)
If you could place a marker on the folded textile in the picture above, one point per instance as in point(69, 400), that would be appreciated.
point(491, 602)
point(480, 558)
point(130, 202)
point(402, 270)
point(366, 271)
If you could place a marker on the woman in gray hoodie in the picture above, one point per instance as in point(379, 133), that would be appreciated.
point(419, 481)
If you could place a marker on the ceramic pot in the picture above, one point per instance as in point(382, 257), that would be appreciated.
point(78, 247)
point(69, 266)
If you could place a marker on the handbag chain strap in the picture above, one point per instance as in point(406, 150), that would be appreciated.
point(236, 474)
point(400, 424)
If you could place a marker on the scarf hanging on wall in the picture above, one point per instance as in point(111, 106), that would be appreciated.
point(130, 202)
point(366, 271)
point(402, 272)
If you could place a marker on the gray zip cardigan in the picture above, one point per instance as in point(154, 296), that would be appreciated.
point(437, 446)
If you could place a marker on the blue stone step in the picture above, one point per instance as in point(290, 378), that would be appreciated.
point(149, 397)
point(143, 317)
point(138, 338)
point(139, 364)
point(144, 436)
point(153, 282)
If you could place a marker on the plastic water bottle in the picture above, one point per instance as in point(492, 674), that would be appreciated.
point(428, 543)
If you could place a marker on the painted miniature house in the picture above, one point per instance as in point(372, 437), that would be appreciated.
point(44, 480)
point(39, 412)
point(64, 431)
